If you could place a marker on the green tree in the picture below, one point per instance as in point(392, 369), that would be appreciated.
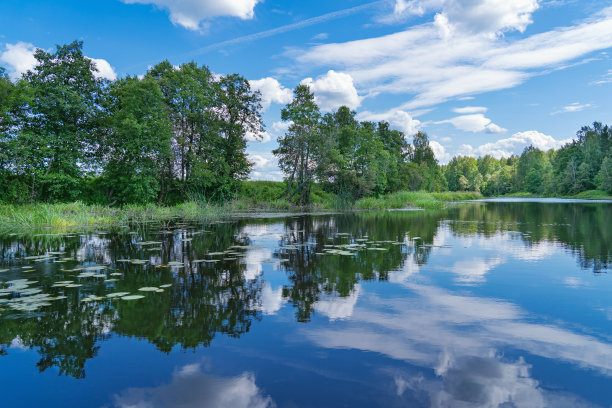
point(301, 150)
point(239, 112)
point(58, 122)
point(605, 175)
point(137, 142)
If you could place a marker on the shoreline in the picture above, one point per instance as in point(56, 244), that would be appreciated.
point(29, 218)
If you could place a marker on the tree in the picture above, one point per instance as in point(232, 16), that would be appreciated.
point(58, 121)
point(431, 175)
point(301, 150)
point(137, 142)
point(210, 120)
point(239, 114)
point(605, 175)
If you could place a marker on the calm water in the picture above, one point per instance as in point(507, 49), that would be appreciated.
point(480, 305)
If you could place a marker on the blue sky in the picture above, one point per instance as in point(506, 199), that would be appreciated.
point(479, 76)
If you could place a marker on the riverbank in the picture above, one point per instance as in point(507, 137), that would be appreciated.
point(31, 217)
point(585, 195)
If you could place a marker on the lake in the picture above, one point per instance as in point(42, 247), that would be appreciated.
point(485, 304)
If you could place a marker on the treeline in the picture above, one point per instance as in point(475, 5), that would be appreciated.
point(584, 164)
point(356, 159)
point(350, 158)
point(66, 134)
point(180, 132)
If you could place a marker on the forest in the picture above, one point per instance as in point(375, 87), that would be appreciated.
point(179, 133)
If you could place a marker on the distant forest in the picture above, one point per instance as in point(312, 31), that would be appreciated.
point(180, 133)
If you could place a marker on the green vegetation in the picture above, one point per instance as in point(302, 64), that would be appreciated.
point(253, 196)
point(414, 199)
point(67, 135)
point(179, 135)
point(575, 169)
point(72, 216)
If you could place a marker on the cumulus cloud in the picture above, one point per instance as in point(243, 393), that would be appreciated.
point(440, 152)
point(265, 166)
point(333, 90)
point(192, 388)
point(515, 144)
point(271, 91)
point(19, 58)
point(398, 119)
point(430, 69)
point(474, 123)
point(104, 69)
point(191, 13)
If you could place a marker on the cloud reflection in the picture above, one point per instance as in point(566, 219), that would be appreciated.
point(190, 388)
point(456, 336)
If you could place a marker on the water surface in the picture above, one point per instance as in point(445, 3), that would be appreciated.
point(496, 304)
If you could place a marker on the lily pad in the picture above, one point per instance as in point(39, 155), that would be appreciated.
point(132, 297)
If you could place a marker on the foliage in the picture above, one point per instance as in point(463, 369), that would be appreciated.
point(180, 133)
point(582, 165)
point(177, 131)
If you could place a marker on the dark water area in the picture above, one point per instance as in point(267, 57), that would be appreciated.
point(498, 304)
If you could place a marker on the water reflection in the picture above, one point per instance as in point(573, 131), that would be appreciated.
point(471, 347)
point(192, 388)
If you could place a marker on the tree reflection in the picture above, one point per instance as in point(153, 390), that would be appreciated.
point(206, 299)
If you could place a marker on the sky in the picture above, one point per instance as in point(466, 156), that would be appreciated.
point(478, 76)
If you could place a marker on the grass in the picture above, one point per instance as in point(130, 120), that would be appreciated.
point(253, 196)
point(593, 195)
point(414, 199)
point(585, 195)
point(67, 217)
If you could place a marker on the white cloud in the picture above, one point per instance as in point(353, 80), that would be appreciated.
point(481, 16)
point(573, 107)
point(398, 119)
point(474, 123)
point(271, 91)
point(321, 36)
point(605, 79)
point(105, 70)
point(191, 13)
point(430, 69)
point(263, 137)
point(466, 110)
point(440, 152)
point(265, 166)
point(333, 90)
point(281, 127)
point(19, 57)
point(515, 144)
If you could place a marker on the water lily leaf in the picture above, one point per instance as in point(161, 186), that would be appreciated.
point(132, 297)
point(117, 294)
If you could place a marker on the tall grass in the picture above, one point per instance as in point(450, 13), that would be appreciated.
point(414, 199)
point(66, 217)
point(69, 217)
